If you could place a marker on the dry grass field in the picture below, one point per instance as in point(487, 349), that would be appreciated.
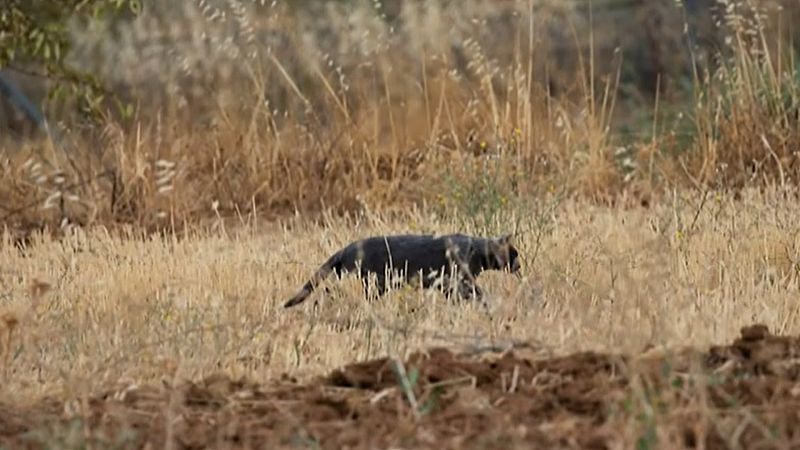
point(93, 310)
point(646, 163)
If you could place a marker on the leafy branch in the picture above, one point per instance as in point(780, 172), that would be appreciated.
point(34, 35)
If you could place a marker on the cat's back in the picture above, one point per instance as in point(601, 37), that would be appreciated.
point(396, 243)
point(410, 241)
point(414, 251)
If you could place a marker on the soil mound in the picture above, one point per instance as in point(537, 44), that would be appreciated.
point(740, 395)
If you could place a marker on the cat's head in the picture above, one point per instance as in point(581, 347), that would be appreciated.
point(503, 255)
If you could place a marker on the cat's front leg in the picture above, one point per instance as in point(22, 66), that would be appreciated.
point(470, 290)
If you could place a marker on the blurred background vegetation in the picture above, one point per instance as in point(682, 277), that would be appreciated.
point(160, 112)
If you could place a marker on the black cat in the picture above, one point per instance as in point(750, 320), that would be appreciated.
point(438, 260)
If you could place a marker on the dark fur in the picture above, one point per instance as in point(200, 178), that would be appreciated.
point(458, 257)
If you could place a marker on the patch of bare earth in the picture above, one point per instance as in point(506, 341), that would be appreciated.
point(741, 395)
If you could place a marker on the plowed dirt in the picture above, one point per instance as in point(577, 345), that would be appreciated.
point(744, 395)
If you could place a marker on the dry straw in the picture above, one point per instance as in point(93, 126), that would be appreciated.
point(350, 107)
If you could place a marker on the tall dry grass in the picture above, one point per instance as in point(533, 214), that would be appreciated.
point(94, 308)
point(355, 106)
point(748, 108)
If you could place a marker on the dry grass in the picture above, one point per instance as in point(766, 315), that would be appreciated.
point(348, 124)
point(358, 106)
point(93, 308)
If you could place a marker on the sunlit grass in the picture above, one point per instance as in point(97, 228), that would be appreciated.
point(94, 307)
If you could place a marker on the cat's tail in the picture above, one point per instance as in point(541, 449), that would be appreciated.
point(334, 263)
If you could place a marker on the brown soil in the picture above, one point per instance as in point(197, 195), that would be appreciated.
point(745, 394)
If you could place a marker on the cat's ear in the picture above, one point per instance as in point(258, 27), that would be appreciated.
point(505, 239)
point(499, 243)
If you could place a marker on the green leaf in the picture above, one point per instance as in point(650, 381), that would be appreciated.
point(39, 40)
point(413, 375)
point(431, 402)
